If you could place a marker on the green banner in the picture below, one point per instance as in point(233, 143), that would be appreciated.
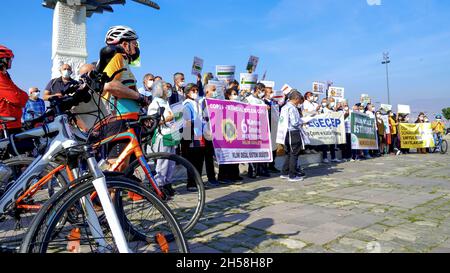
point(364, 133)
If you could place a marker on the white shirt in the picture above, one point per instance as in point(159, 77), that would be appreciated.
point(153, 109)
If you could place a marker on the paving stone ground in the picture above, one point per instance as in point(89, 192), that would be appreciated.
point(389, 204)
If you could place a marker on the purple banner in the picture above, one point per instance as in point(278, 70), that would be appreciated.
point(240, 132)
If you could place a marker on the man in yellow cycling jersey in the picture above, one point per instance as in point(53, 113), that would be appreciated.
point(438, 127)
point(122, 94)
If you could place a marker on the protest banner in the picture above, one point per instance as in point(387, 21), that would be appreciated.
point(286, 89)
point(177, 110)
point(327, 129)
point(385, 119)
point(336, 92)
point(364, 133)
point(416, 136)
point(248, 81)
point(268, 84)
point(252, 64)
point(386, 107)
point(365, 99)
point(197, 66)
point(220, 88)
point(278, 95)
point(225, 72)
point(403, 109)
point(318, 88)
point(240, 132)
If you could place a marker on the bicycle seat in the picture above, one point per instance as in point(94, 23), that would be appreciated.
point(7, 119)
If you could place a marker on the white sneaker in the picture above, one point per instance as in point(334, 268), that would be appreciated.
point(284, 176)
point(326, 161)
point(336, 160)
point(399, 152)
point(296, 179)
point(352, 160)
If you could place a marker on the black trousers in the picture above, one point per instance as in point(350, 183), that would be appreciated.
point(347, 147)
point(292, 146)
point(228, 172)
point(326, 148)
point(209, 160)
point(272, 164)
point(194, 155)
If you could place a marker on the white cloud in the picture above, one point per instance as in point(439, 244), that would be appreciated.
point(374, 2)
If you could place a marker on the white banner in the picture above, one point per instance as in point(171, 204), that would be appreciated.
point(248, 81)
point(404, 109)
point(336, 92)
point(327, 129)
point(225, 72)
point(319, 88)
point(387, 129)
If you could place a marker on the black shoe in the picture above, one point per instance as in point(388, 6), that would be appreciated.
point(264, 174)
point(169, 190)
point(274, 170)
point(239, 178)
point(225, 181)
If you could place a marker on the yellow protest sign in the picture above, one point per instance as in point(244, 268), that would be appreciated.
point(414, 136)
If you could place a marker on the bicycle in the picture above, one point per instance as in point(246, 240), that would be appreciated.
point(441, 145)
point(65, 144)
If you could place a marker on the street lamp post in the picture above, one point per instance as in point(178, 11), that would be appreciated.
point(387, 61)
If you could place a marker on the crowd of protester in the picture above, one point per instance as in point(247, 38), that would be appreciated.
point(194, 142)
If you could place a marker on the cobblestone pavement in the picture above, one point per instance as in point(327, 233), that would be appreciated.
point(388, 204)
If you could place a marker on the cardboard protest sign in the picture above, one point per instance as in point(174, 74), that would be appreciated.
point(364, 133)
point(319, 88)
point(197, 66)
point(365, 99)
point(240, 132)
point(336, 92)
point(327, 129)
point(252, 63)
point(268, 84)
point(248, 81)
point(404, 109)
point(225, 72)
point(386, 107)
point(416, 136)
point(220, 88)
point(286, 89)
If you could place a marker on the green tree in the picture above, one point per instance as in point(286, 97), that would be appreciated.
point(446, 113)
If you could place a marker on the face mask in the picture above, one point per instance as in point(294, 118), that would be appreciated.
point(169, 93)
point(261, 95)
point(332, 104)
point(66, 74)
point(234, 98)
point(271, 96)
point(311, 99)
point(150, 84)
point(324, 105)
point(194, 96)
point(346, 108)
point(182, 84)
point(34, 95)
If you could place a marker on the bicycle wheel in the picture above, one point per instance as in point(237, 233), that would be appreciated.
point(186, 206)
point(444, 146)
point(15, 222)
point(52, 232)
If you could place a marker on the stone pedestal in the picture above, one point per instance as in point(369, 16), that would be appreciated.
point(69, 36)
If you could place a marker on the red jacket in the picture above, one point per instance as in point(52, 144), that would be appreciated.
point(12, 101)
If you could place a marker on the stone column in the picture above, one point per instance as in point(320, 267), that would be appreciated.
point(69, 36)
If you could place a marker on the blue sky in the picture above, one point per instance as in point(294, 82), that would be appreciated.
point(298, 41)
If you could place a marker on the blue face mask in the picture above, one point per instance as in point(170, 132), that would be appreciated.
point(169, 93)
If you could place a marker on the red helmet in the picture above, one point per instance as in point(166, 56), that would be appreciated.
point(6, 52)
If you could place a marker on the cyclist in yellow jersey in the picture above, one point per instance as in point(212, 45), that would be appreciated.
point(121, 93)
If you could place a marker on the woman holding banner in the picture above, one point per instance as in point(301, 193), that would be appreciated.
point(421, 119)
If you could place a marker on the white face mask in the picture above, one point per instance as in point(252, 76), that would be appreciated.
point(271, 96)
point(194, 96)
point(332, 104)
point(234, 98)
point(35, 95)
point(182, 84)
point(261, 95)
point(324, 105)
point(150, 84)
point(66, 74)
point(346, 108)
point(169, 93)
